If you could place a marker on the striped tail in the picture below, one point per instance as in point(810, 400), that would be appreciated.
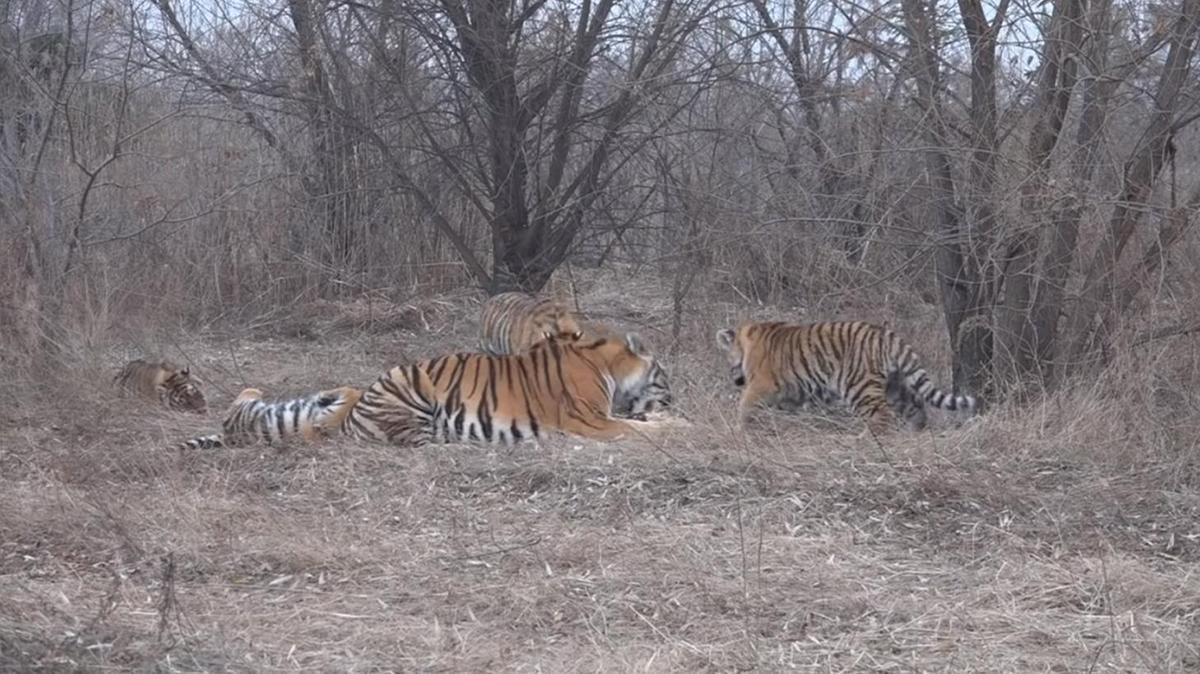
point(203, 442)
point(916, 378)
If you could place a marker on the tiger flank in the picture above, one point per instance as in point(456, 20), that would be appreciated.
point(250, 419)
point(512, 322)
point(564, 385)
point(866, 366)
point(903, 401)
point(173, 386)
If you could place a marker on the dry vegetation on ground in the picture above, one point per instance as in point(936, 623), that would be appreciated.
point(1058, 536)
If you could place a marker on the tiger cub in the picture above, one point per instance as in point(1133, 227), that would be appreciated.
point(512, 322)
point(173, 386)
point(848, 360)
point(563, 385)
point(250, 419)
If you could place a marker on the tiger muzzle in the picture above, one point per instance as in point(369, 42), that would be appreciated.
point(739, 377)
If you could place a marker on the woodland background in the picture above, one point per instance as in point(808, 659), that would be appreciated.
point(1028, 167)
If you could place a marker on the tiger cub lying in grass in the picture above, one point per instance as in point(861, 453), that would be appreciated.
point(173, 386)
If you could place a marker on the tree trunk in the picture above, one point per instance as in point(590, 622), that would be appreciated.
point(1018, 346)
point(331, 149)
point(962, 261)
point(1063, 231)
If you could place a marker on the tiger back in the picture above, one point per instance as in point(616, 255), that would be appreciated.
point(562, 385)
point(512, 322)
point(250, 419)
point(173, 386)
point(867, 366)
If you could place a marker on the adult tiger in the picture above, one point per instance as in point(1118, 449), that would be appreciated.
point(865, 365)
point(250, 419)
point(174, 386)
point(512, 322)
point(558, 384)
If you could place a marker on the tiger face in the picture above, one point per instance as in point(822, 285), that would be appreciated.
point(558, 323)
point(643, 386)
point(176, 388)
point(181, 391)
point(735, 353)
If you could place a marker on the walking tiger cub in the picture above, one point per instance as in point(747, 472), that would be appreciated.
point(250, 419)
point(173, 386)
point(512, 322)
point(866, 366)
point(563, 385)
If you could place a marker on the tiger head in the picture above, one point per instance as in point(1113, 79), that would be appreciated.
point(733, 343)
point(558, 323)
point(641, 384)
point(182, 390)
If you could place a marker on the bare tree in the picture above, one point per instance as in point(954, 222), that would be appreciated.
point(966, 215)
point(1024, 340)
point(549, 141)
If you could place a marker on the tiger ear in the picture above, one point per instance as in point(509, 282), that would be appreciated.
point(634, 341)
point(725, 338)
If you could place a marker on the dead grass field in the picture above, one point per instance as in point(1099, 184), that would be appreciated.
point(1063, 536)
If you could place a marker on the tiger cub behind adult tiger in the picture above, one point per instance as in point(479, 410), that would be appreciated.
point(865, 365)
point(175, 387)
point(562, 385)
point(512, 322)
point(250, 419)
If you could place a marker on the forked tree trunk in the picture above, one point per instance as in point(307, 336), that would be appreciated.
point(963, 234)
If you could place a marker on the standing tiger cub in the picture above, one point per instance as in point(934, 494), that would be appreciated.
point(512, 322)
point(250, 419)
point(175, 387)
point(867, 366)
point(569, 386)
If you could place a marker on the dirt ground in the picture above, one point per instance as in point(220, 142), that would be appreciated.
point(1061, 536)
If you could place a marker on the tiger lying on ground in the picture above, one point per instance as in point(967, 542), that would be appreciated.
point(512, 322)
point(175, 387)
point(250, 419)
point(852, 361)
point(563, 385)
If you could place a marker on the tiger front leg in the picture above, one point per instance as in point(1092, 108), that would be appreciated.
point(756, 392)
point(601, 427)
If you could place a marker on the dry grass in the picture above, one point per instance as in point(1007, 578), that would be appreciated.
point(1059, 537)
